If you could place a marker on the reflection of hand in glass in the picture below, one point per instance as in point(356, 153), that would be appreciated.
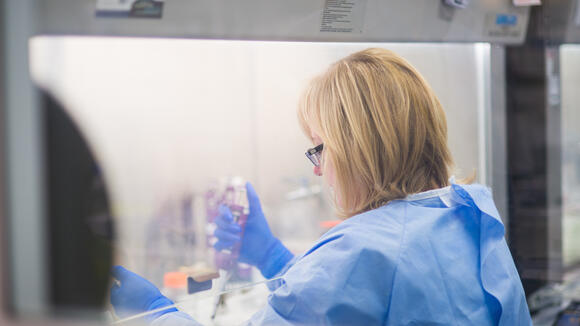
point(133, 294)
point(259, 246)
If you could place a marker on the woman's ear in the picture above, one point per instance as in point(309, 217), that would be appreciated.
point(318, 171)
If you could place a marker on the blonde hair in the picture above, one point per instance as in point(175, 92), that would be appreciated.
point(384, 130)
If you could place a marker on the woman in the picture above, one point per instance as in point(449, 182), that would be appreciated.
point(415, 248)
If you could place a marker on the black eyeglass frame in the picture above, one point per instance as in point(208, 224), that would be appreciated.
point(315, 154)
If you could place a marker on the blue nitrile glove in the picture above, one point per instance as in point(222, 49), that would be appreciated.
point(136, 295)
point(259, 246)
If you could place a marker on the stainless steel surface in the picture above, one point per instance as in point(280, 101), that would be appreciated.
point(570, 84)
point(496, 132)
point(554, 164)
point(558, 22)
point(372, 20)
point(26, 256)
point(573, 26)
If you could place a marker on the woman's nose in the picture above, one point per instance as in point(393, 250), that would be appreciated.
point(317, 171)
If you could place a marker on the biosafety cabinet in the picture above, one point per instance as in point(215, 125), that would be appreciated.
point(124, 124)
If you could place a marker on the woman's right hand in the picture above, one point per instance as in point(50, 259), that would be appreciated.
point(259, 247)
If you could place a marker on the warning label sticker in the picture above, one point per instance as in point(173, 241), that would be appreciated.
point(343, 16)
point(505, 25)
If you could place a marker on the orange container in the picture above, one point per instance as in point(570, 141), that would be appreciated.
point(175, 280)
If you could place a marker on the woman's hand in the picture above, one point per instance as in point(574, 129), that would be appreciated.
point(134, 294)
point(259, 247)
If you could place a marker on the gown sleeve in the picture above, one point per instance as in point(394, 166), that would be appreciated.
point(343, 280)
point(498, 273)
point(176, 318)
point(277, 281)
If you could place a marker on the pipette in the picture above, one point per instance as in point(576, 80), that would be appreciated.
point(235, 198)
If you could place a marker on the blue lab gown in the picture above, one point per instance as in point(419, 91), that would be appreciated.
point(434, 258)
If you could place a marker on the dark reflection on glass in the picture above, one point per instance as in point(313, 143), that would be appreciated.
point(79, 218)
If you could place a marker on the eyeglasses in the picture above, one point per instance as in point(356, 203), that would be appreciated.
point(315, 154)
